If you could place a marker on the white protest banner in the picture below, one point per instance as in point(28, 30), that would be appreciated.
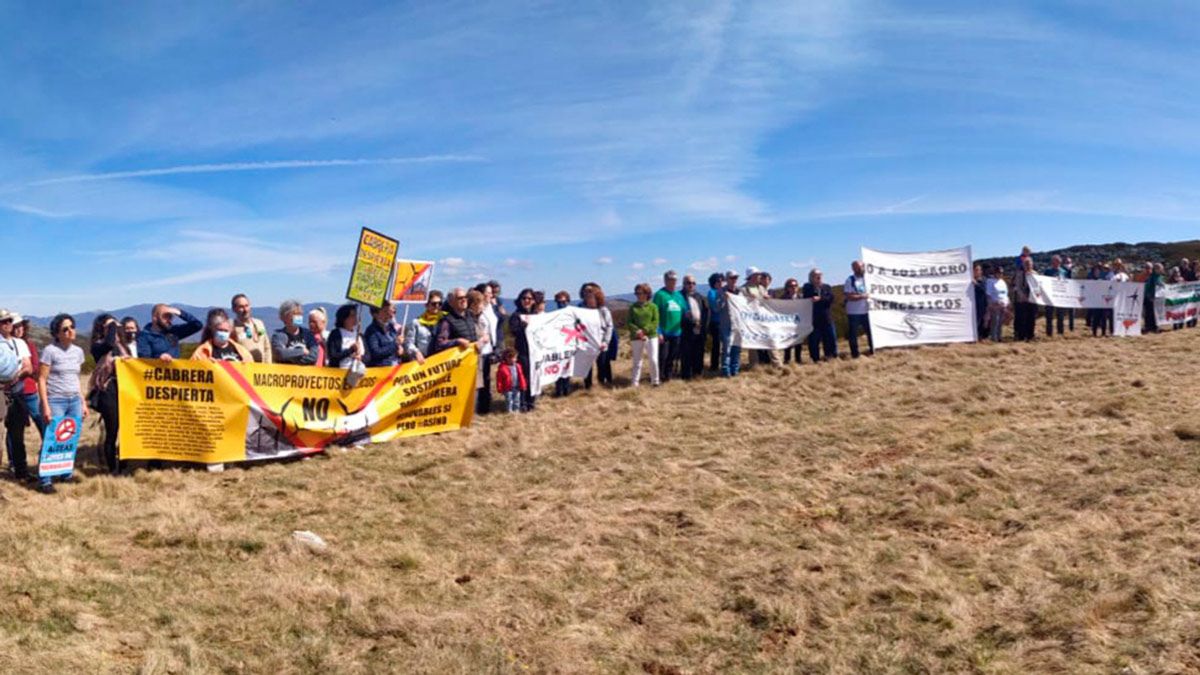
point(1127, 309)
point(562, 343)
point(1072, 293)
point(769, 323)
point(1178, 302)
point(920, 298)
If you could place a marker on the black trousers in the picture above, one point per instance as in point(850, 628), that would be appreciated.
point(714, 349)
point(483, 396)
point(603, 370)
point(527, 399)
point(797, 349)
point(1053, 313)
point(692, 364)
point(668, 354)
point(1025, 320)
point(15, 421)
point(108, 413)
point(1149, 317)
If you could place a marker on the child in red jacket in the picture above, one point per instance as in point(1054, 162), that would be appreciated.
point(510, 379)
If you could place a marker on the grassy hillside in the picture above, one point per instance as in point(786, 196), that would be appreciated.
point(928, 510)
point(1084, 255)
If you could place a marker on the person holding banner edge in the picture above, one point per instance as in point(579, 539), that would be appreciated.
point(526, 306)
point(824, 332)
point(855, 292)
point(1056, 271)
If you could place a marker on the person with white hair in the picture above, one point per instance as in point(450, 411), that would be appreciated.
point(824, 335)
point(671, 309)
point(294, 344)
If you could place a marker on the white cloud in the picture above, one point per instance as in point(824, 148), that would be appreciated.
point(731, 258)
point(514, 263)
point(604, 260)
point(803, 264)
point(658, 262)
point(638, 266)
point(709, 264)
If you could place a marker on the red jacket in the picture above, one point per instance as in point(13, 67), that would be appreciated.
point(504, 380)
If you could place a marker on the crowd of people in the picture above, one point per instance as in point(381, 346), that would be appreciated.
point(668, 328)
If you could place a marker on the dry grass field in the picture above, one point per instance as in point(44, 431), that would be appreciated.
point(991, 508)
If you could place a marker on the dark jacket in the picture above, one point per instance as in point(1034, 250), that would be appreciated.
point(286, 348)
point(335, 351)
point(454, 327)
point(153, 344)
point(517, 327)
point(822, 303)
point(693, 324)
point(380, 342)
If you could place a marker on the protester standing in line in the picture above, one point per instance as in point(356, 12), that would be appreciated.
point(418, 335)
point(294, 344)
point(500, 312)
point(1026, 309)
point(1055, 314)
point(671, 306)
point(593, 298)
point(979, 284)
point(1120, 276)
point(644, 326)
point(1097, 318)
point(317, 322)
point(345, 345)
point(716, 284)
point(997, 304)
point(510, 380)
point(107, 346)
point(562, 385)
point(857, 306)
point(381, 338)
point(791, 291)
point(755, 290)
point(16, 414)
point(731, 346)
point(456, 329)
point(250, 332)
point(160, 339)
point(476, 308)
point(218, 344)
point(695, 319)
point(517, 323)
point(824, 332)
point(490, 328)
point(1154, 280)
point(29, 389)
point(58, 379)
point(128, 336)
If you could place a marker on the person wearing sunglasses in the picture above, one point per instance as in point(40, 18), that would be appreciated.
point(418, 335)
point(58, 378)
point(457, 328)
point(695, 320)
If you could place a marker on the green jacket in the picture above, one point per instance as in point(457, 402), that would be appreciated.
point(643, 316)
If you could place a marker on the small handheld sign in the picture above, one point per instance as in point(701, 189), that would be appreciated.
point(372, 273)
point(58, 447)
point(412, 282)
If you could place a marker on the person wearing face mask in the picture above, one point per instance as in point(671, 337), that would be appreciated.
point(110, 341)
point(218, 344)
point(128, 335)
point(160, 340)
point(294, 343)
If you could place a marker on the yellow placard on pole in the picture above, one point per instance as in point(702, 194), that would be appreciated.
point(372, 273)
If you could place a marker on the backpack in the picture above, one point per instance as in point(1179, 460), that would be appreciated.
point(9, 365)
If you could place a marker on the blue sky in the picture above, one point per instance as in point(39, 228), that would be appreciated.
point(184, 151)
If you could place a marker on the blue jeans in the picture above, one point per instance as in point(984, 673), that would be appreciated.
point(731, 358)
point(66, 406)
point(512, 400)
point(859, 322)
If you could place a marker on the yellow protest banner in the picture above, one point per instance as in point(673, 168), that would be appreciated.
point(372, 268)
point(412, 281)
point(197, 411)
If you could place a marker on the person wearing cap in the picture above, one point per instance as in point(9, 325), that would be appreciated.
point(824, 333)
point(671, 307)
point(695, 322)
point(857, 300)
point(755, 290)
point(716, 281)
point(250, 332)
point(160, 339)
point(16, 416)
point(731, 346)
